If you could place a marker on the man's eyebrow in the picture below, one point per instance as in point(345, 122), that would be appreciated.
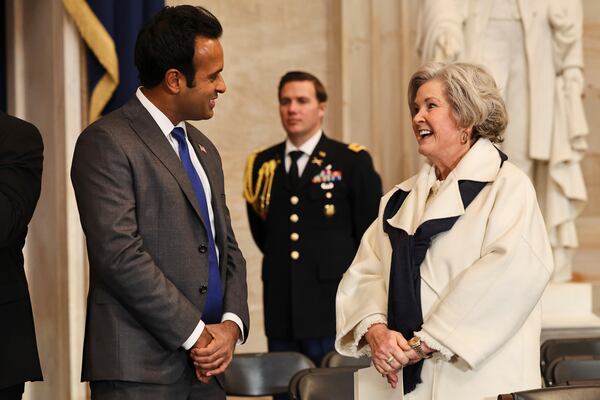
point(216, 72)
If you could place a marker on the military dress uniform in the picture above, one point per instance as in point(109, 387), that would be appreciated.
point(309, 233)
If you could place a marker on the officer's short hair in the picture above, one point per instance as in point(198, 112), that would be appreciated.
point(294, 76)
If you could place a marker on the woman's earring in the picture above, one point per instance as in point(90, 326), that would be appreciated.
point(464, 138)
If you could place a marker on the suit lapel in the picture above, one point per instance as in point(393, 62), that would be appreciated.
point(280, 173)
point(201, 149)
point(313, 168)
point(149, 132)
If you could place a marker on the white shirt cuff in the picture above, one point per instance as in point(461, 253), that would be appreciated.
point(229, 316)
point(191, 341)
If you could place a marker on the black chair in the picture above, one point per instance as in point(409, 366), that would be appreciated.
point(335, 359)
point(567, 369)
point(555, 348)
point(263, 374)
point(556, 393)
point(335, 383)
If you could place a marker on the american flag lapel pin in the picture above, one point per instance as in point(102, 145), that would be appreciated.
point(202, 149)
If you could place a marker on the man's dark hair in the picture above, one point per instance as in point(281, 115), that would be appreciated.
point(168, 41)
point(294, 76)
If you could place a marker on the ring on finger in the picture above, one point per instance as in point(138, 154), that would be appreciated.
point(390, 359)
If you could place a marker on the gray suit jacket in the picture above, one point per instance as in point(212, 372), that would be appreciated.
point(146, 246)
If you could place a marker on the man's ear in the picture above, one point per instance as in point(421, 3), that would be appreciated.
point(173, 81)
point(322, 108)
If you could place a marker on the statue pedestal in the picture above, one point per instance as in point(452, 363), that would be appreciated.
point(568, 310)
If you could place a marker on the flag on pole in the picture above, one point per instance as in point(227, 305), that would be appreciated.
point(109, 29)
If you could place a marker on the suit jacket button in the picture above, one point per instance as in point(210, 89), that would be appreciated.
point(294, 200)
point(202, 249)
point(294, 236)
point(295, 255)
point(294, 218)
point(203, 289)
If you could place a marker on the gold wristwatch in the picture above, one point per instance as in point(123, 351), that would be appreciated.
point(415, 344)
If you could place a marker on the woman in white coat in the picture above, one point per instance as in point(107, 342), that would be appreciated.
point(446, 284)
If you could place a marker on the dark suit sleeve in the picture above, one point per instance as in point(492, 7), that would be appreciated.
point(21, 158)
point(365, 194)
point(103, 180)
point(236, 292)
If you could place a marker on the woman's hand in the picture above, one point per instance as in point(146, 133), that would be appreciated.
point(389, 350)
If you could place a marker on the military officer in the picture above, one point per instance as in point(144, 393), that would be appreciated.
point(309, 199)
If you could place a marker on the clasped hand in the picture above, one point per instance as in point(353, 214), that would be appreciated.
point(390, 352)
point(213, 350)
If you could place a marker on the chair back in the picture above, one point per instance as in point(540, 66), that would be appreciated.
point(572, 368)
point(556, 393)
point(335, 383)
point(335, 359)
point(263, 374)
point(555, 348)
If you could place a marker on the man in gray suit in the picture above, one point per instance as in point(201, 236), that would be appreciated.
point(167, 279)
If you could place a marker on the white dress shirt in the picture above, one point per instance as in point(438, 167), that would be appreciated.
point(166, 126)
point(307, 148)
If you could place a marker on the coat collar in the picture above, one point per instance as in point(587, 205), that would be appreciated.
point(481, 164)
point(313, 168)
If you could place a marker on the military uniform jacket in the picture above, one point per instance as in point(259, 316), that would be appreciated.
point(310, 235)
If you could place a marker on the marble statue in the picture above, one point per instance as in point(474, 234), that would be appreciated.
point(534, 50)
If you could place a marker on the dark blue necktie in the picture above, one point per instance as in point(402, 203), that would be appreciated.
point(213, 308)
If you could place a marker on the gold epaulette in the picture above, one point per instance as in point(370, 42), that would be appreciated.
point(356, 147)
point(258, 194)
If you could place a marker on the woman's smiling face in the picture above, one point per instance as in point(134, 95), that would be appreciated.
point(435, 127)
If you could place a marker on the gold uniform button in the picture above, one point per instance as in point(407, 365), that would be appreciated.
point(295, 255)
point(329, 210)
point(294, 218)
point(294, 200)
point(328, 195)
point(294, 236)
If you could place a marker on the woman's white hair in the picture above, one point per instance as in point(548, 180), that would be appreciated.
point(472, 94)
